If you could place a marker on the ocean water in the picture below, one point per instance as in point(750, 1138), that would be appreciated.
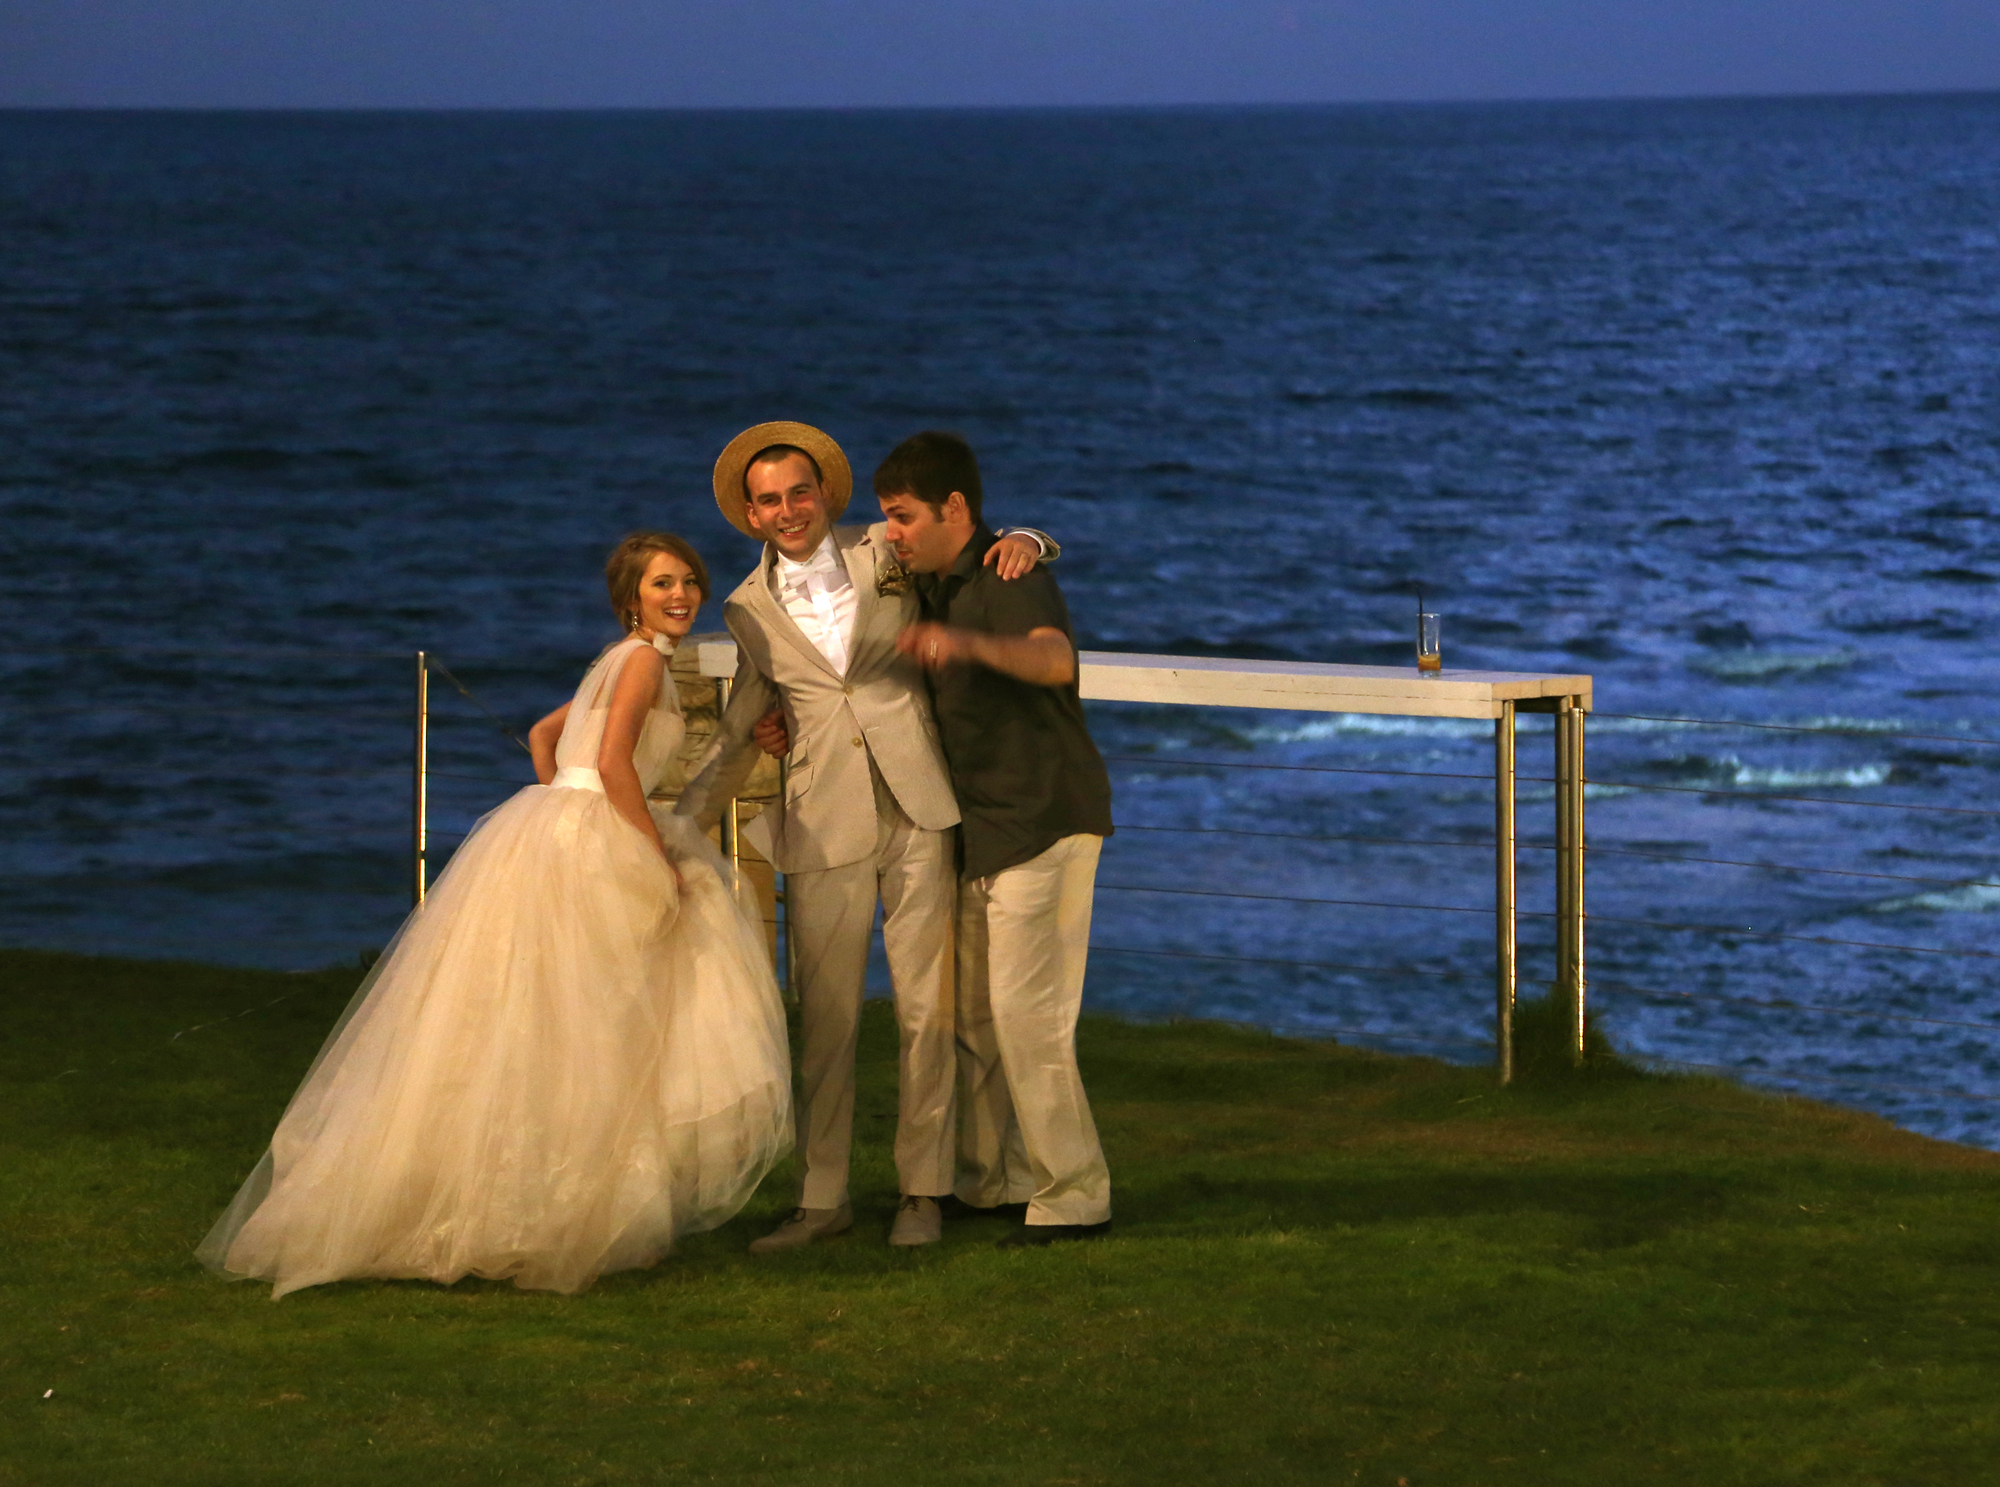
point(1699, 398)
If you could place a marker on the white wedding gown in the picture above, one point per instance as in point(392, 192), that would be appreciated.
point(569, 1055)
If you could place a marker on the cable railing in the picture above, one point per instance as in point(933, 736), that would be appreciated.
point(1597, 849)
point(463, 770)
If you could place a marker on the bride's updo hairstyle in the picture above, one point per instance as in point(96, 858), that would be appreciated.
point(628, 563)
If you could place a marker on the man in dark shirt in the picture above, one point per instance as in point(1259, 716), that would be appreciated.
point(1035, 807)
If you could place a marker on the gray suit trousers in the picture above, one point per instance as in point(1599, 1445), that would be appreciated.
point(832, 914)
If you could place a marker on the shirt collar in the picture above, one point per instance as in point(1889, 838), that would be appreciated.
point(933, 586)
point(825, 559)
point(973, 555)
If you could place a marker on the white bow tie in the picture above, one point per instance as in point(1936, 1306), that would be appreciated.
point(822, 565)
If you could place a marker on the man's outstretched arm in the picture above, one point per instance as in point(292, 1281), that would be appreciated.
point(1043, 657)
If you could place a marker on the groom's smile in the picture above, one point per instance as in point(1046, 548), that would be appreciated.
point(786, 505)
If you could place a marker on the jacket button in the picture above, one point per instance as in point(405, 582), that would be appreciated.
point(857, 743)
point(848, 689)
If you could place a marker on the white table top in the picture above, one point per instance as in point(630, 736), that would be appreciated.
point(1309, 686)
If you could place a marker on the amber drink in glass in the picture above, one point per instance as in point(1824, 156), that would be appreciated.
point(1430, 658)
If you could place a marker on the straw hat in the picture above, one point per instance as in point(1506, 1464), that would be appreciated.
point(835, 476)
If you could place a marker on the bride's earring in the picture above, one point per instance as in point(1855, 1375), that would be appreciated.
point(632, 620)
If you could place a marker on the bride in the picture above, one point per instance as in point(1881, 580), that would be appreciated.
point(572, 1052)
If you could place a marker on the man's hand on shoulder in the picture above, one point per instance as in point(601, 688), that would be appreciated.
point(1013, 555)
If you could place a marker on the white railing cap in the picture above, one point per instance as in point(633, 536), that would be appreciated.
point(716, 657)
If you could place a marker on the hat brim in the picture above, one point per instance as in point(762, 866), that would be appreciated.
point(836, 477)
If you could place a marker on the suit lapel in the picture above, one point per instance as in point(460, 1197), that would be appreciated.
point(755, 591)
point(859, 554)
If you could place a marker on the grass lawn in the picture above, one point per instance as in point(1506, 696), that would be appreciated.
point(1328, 1267)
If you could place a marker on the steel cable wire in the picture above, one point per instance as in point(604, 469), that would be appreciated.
point(1316, 1031)
point(466, 692)
point(1772, 934)
point(1802, 728)
point(1773, 867)
point(1596, 984)
point(1593, 848)
point(1627, 988)
point(83, 770)
point(1712, 791)
point(274, 653)
point(1421, 774)
point(194, 710)
point(1717, 929)
point(1284, 898)
point(1265, 960)
point(1542, 779)
point(1738, 1072)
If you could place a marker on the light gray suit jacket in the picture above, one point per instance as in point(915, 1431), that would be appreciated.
point(881, 708)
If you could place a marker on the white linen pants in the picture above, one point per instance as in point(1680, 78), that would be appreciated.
point(1026, 1133)
point(831, 914)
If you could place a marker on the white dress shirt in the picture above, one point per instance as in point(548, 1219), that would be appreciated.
point(819, 596)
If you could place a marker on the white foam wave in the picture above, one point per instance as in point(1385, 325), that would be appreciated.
point(1727, 771)
point(1858, 777)
point(1831, 722)
point(1374, 725)
point(1967, 898)
point(1746, 666)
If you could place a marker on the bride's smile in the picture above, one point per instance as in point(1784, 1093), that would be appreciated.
point(669, 596)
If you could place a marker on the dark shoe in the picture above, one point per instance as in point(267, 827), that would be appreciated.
point(955, 1207)
point(1034, 1236)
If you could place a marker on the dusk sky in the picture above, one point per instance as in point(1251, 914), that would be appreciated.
point(765, 53)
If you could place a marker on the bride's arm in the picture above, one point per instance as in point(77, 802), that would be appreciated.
point(542, 743)
point(638, 689)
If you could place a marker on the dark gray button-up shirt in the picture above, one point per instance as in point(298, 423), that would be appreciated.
point(1022, 763)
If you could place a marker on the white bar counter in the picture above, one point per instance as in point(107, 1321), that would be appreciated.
point(1309, 686)
point(1403, 691)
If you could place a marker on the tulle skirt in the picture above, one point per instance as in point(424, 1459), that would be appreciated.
point(568, 1056)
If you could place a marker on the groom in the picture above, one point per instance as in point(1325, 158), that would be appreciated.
point(867, 813)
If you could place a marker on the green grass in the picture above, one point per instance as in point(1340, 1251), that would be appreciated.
point(1329, 1266)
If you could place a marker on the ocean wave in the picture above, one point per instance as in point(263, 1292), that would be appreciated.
point(1727, 772)
point(1857, 777)
point(1831, 722)
point(1759, 666)
point(1537, 793)
point(1967, 898)
point(1373, 725)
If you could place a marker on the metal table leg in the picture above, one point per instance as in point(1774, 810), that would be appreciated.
point(1504, 944)
point(1569, 867)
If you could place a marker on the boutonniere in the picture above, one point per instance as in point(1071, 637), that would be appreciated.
point(892, 579)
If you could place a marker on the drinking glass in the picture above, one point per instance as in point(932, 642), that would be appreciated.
point(1430, 660)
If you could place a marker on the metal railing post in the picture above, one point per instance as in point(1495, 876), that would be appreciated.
point(731, 816)
point(783, 895)
point(420, 782)
point(1504, 942)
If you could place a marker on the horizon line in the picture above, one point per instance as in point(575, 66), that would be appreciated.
point(1208, 106)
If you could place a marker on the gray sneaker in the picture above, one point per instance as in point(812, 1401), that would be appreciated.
point(803, 1227)
point(918, 1221)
